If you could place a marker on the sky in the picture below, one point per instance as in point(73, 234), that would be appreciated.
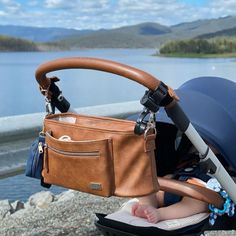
point(98, 14)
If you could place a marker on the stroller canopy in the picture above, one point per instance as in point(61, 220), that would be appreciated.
point(209, 103)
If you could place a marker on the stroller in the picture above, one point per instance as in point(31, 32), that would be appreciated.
point(207, 119)
point(205, 103)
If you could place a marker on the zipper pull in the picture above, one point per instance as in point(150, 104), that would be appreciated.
point(46, 158)
point(40, 147)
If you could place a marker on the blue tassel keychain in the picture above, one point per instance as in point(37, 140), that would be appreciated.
point(228, 207)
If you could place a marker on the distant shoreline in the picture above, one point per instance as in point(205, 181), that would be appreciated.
point(197, 55)
point(45, 49)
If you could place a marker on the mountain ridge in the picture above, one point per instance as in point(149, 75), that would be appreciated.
point(146, 34)
point(154, 36)
point(39, 34)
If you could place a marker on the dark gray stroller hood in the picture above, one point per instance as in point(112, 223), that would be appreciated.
point(209, 102)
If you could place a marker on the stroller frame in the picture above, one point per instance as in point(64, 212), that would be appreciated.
point(158, 95)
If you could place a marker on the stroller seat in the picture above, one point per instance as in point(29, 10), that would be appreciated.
point(122, 222)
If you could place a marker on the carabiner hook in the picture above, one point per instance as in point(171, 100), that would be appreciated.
point(142, 125)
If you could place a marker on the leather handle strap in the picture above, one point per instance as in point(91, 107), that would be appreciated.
point(191, 190)
point(129, 72)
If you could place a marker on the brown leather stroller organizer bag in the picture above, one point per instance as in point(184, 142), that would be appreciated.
point(98, 155)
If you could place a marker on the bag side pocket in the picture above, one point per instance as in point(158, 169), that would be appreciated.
point(34, 163)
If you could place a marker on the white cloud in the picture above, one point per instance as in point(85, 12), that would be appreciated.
point(9, 3)
point(109, 13)
point(2, 13)
point(78, 5)
point(5, 1)
point(223, 8)
point(33, 3)
point(10, 7)
point(59, 4)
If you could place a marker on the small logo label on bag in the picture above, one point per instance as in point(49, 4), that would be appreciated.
point(96, 186)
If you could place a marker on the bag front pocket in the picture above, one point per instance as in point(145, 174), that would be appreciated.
point(86, 166)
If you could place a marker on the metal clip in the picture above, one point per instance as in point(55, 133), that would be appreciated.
point(40, 147)
point(151, 124)
point(152, 119)
point(142, 125)
point(48, 106)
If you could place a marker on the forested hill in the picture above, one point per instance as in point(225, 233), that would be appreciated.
point(143, 35)
point(16, 44)
point(200, 47)
point(150, 34)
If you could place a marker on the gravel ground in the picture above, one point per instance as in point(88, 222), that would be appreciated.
point(74, 216)
point(71, 213)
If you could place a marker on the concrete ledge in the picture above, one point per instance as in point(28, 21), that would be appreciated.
point(18, 132)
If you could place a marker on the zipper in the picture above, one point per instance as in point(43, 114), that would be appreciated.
point(33, 167)
point(68, 153)
point(36, 157)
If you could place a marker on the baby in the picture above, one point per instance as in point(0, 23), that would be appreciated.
point(166, 206)
point(157, 207)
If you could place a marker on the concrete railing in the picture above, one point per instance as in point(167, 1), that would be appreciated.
point(17, 132)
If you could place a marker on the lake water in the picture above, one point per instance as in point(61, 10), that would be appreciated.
point(19, 92)
point(20, 187)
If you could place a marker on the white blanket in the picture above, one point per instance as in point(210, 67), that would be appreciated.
point(124, 215)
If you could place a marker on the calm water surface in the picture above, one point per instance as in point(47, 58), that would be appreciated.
point(20, 187)
point(19, 92)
